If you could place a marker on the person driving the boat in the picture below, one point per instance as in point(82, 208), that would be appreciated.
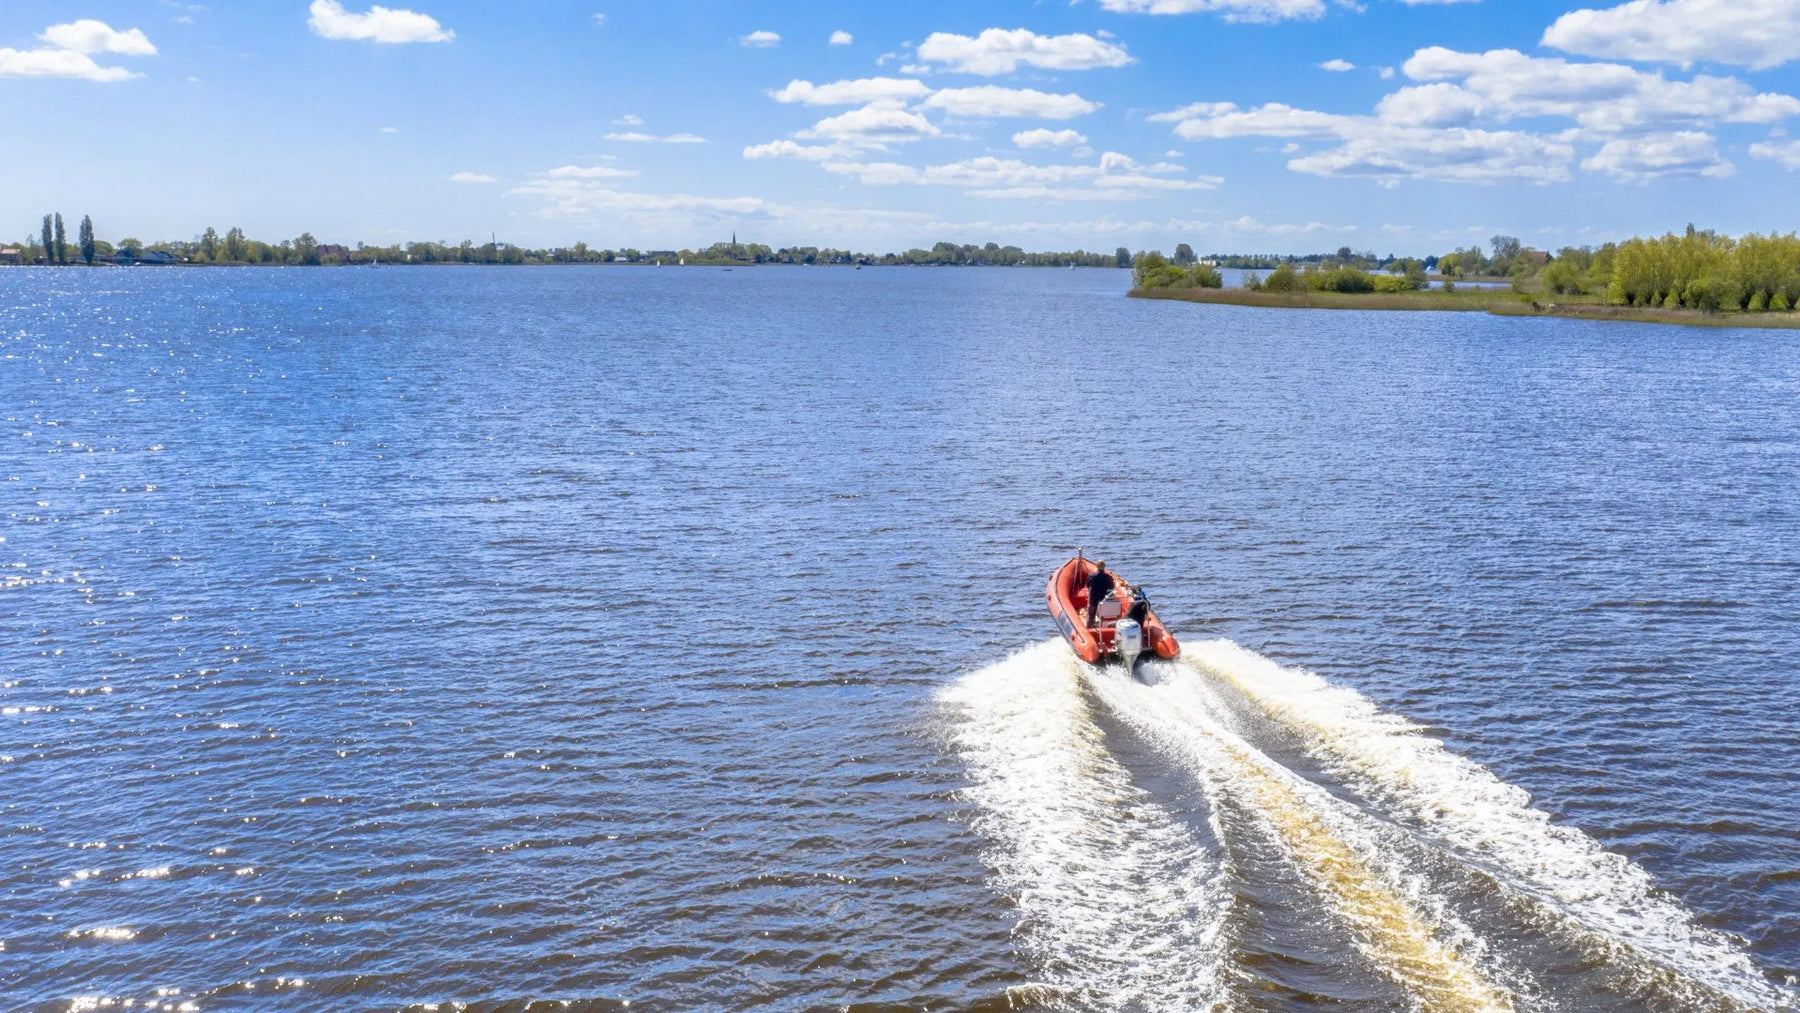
point(1099, 585)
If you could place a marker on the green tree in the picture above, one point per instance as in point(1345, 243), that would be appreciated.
point(1341, 279)
point(131, 247)
point(1284, 279)
point(235, 247)
point(62, 241)
point(85, 234)
point(306, 249)
point(48, 236)
point(209, 244)
point(1563, 277)
point(1184, 255)
point(1122, 257)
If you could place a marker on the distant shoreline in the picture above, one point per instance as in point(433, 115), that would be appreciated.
point(1496, 302)
point(557, 263)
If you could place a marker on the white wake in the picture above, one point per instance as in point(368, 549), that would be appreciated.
point(1120, 903)
point(1461, 804)
point(1391, 914)
point(1123, 906)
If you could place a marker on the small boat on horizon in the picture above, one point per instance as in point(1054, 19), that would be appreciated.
point(1124, 624)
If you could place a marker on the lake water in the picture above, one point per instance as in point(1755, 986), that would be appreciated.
point(374, 639)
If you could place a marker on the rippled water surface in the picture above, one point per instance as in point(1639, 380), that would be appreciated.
point(373, 639)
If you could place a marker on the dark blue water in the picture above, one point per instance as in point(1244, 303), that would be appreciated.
point(385, 637)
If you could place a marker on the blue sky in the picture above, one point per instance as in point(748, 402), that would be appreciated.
point(1278, 125)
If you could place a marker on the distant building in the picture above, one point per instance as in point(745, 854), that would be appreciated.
point(144, 257)
point(11, 255)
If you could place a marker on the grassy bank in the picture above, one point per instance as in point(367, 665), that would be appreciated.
point(1465, 300)
point(1499, 302)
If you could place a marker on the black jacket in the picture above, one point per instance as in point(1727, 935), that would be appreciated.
point(1099, 586)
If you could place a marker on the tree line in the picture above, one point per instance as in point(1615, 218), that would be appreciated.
point(1348, 275)
point(237, 249)
point(1698, 269)
point(53, 245)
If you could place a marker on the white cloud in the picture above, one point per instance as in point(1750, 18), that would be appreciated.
point(328, 19)
point(599, 21)
point(874, 125)
point(1114, 177)
point(1247, 225)
point(1230, 10)
point(1656, 156)
point(1382, 149)
point(842, 38)
point(1208, 121)
point(857, 92)
point(1751, 33)
point(1602, 97)
point(1431, 105)
point(472, 177)
point(68, 49)
point(999, 51)
point(994, 101)
point(1337, 66)
point(1786, 153)
point(89, 36)
point(630, 120)
point(1646, 126)
point(789, 149)
point(58, 63)
point(638, 137)
point(581, 199)
point(1390, 153)
point(760, 40)
point(1045, 138)
point(589, 172)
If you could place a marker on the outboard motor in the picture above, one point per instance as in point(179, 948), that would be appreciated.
point(1128, 640)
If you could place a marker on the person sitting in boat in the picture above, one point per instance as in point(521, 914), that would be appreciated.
point(1140, 607)
point(1099, 585)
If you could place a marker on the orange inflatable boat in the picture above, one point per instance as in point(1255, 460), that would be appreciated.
point(1124, 626)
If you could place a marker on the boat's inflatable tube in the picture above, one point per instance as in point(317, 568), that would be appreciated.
point(1066, 595)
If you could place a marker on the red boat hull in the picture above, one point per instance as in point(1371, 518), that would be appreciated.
point(1067, 596)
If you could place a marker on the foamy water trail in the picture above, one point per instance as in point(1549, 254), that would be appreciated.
point(1398, 925)
point(1462, 805)
point(1121, 905)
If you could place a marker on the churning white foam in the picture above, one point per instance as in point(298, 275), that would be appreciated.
point(1465, 807)
point(1405, 930)
point(1121, 905)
